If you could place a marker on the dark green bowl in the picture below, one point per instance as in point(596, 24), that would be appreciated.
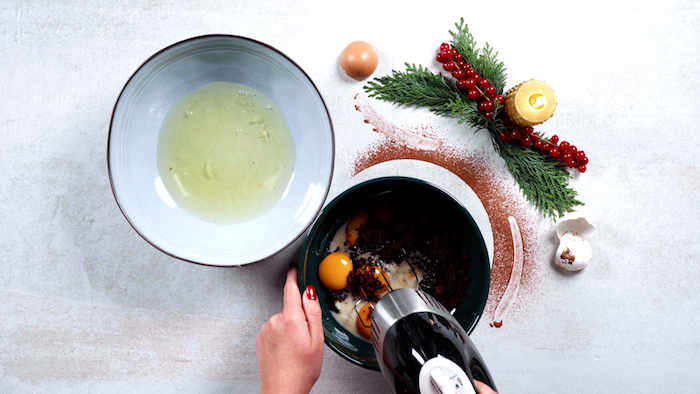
point(339, 211)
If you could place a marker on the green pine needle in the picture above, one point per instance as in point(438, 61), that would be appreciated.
point(482, 59)
point(542, 179)
point(417, 86)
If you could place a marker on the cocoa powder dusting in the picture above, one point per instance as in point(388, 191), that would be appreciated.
point(498, 194)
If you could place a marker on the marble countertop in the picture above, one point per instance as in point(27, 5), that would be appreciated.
point(86, 305)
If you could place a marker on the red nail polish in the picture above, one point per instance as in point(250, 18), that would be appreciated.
point(311, 292)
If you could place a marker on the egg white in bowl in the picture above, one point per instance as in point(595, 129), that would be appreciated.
point(133, 138)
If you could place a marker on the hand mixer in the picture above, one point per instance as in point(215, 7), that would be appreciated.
point(422, 348)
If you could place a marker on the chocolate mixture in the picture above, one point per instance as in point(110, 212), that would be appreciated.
point(416, 231)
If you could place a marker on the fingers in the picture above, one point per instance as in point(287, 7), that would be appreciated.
point(292, 298)
point(483, 388)
point(312, 310)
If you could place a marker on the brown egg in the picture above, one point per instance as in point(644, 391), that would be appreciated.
point(359, 60)
point(364, 320)
point(334, 269)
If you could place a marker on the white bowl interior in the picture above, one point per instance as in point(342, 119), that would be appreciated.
point(133, 141)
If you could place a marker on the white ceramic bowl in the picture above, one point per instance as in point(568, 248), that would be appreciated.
point(133, 139)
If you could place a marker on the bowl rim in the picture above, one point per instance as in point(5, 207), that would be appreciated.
point(236, 37)
point(304, 253)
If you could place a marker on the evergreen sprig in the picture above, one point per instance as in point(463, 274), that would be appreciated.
point(542, 179)
point(419, 87)
point(482, 59)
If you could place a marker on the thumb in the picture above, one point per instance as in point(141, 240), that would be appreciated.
point(483, 388)
point(312, 310)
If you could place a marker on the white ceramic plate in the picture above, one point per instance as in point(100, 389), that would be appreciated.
point(133, 139)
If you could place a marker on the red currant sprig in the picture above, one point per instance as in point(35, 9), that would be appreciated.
point(563, 151)
point(481, 90)
point(478, 88)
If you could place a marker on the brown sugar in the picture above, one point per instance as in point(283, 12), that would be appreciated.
point(415, 231)
point(363, 283)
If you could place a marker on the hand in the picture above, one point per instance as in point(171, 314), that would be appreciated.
point(290, 344)
point(483, 388)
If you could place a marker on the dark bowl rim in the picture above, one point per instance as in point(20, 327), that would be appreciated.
point(201, 37)
point(326, 209)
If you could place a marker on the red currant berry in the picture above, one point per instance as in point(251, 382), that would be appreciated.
point(490, 91)
point(582, 168)
point(515, 135)
point(484, 83)
point(573, 149)
point(525, 140)
point(471, 83)
point(487, 105)
point(564, 146)
point(468, 67)
point(449, 66)
point(583, 161)
point(554, 152)
point(446, 56)
point(473, 94)
point(462, 84)
point(439, 57)
point(444, 46)
point(461, 64)
point(457, 73)
point(505, 137)
point(530, 130)
point(566, 156)
point(580, 155)
point(500, 99)
point(454, 52)
point(471, 73)
point(538, 144)
point(554, 139)
point(488, 114)
point(571, 163)
point(457, 57)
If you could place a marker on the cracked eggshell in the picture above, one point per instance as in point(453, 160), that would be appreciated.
point(579, 225)
point(574, 252)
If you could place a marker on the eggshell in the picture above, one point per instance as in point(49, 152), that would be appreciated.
point(359, 60)
point(574, 252)
point(579, 225)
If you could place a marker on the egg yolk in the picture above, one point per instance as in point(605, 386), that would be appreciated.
point(352, 231)
point(381, 277)
point(334, 269)
point(364, 320)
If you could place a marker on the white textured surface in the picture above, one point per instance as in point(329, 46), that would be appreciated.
point(86, 305)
